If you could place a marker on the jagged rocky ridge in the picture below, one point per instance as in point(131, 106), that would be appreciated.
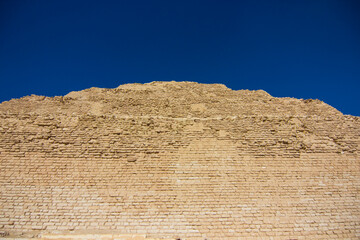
point(170, 99)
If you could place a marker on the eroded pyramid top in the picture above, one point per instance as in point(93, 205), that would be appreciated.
point(168, 99)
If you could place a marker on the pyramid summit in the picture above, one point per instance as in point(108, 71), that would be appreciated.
point(177, 160)
point(171, 99)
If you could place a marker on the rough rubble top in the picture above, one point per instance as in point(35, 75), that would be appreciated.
point(168, 99)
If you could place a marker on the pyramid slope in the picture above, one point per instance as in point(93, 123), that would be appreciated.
point(179, 160)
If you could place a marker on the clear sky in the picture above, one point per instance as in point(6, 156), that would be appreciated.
point(289, 48)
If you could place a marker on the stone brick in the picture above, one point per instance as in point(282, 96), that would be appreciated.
point(178, 160)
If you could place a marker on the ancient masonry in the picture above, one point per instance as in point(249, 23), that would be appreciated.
point(178, 160)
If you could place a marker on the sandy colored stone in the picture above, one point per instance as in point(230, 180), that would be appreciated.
point(177, 160)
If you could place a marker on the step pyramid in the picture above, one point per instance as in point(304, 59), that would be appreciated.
point(178, 160)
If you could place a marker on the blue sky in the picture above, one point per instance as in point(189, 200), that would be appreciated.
point(303, 49)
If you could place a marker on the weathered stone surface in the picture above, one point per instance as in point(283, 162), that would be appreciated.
point(178, 160)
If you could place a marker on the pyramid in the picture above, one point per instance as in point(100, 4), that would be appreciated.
point(178, 160)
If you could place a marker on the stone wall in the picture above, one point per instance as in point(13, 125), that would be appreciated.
point(179, 160)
